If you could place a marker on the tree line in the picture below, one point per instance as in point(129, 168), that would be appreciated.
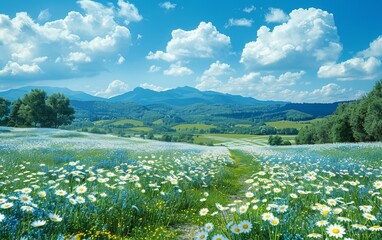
point(37, 109)
point(359, 121)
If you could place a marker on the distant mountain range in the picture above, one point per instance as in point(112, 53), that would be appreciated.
point(181, 96)
point(182, 104)
point(14, 94)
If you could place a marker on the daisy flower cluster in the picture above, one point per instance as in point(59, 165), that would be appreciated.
point(309, 192)
point(62, 192)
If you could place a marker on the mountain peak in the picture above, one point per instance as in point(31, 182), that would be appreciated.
point(183, 96)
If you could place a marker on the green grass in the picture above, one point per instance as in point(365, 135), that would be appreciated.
point(122, 122)
point(203, 139)
point(205, 178)
point(291, 124)
point(243, 125)
point(183, 127)
point(232, 135)
point(102, 122)
point(313, 120)
point(287, 124)
point(158, 122)
point(141, 129)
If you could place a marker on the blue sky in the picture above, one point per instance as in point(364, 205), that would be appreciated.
point(300, 51)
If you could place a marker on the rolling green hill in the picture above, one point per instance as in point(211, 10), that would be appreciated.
point(128, 121)
point(185, 127)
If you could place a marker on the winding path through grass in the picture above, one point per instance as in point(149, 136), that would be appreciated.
point(229, 187)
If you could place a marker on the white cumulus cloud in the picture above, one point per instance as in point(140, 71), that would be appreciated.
point(129, 12)
point(154, 68)
point(276, 15)
point(374, 50)
point(167, 5)
point(277, 88)
point(77, 57)
point(15, 69)
point(308, 39)
point(177, 70)
point(153, 87)
point(241, 22)
point(352, 69)
point(328, 93)
point(65, 48)
point(217, 69)
point(366, 65)
point(203, 42)
point(115, 88)
point(249, 9)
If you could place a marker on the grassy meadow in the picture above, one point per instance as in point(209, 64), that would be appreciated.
point(58, 184)
point(292, 124)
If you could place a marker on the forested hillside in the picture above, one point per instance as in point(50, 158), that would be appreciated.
point(359, 121)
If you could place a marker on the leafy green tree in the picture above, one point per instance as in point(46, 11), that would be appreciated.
point(15, 119)
point(373, 119)
point(33, 109)
point(357, 121)
point(305, 136)
point(60, 112)
point(321, 131)
point(275, 140)
point(4, 110)
point(341, 129)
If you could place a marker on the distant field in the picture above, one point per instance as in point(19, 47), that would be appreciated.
point(102, 122)
point(141, 129)
point(287, 124)
point(183, 127)
point(243, 125)
point(128, 121)
point(158, 122)
point(238, 139)
point(290, 124)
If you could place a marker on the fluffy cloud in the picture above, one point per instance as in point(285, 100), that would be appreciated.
point(177, 70)
point(218, 69)
point(308, 39)
point(154, 68)
point(374, 50)
point(249, 9)
point(128, 11)
point(203, 42)
point(364, 66)
point(15, 69)
point(80, 44)
point(167, 5)
point(121, 59)
point(329, 93)
point(271, 87)
point(44, 15)
point(251, 84)
point(209, 79)
point(78, 57)
point(115, 88)
point(354, 68)
point(276, 15)
point(241, 22)
point(153, 87)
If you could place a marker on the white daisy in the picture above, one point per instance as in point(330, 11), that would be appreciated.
point(335, 230)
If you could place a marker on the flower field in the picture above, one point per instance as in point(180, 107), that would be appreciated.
point(69, 186)
point(312, 192)
point(66, 185)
